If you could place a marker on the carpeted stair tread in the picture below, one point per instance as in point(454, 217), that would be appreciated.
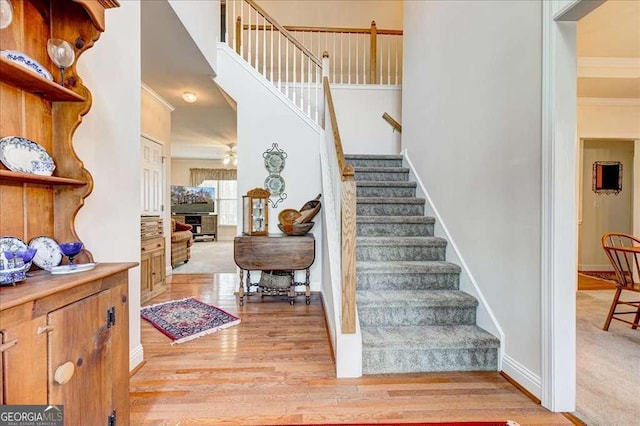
point(408, 267)
point(373, 157)
point(415, 298)
point(400, 241)
point(396, 219)
point(387, 183)
point(428, 337)
point(381, 169)
point(387, 200)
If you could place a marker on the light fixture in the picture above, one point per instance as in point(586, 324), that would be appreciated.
point(190, 97)
point(230, 157)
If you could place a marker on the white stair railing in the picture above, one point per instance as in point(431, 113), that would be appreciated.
point(276, 54)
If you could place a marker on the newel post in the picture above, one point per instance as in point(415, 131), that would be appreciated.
point(348, 219)
point(325, 73)
point(373, 67)
point(238, 35)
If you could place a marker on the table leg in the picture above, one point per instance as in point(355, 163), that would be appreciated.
point(248, 282)
point(307, 291)
point(292, 288)
point(241, 287)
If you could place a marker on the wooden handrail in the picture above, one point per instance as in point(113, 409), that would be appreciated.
point(345, 169)
point(348, 223)
point(295, 28)
point(393, 122)
point(285, 33)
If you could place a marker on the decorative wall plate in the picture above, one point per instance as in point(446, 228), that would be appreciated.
point(274, 159)
point(13, 244)
point(274, 184)
point(49, 253)
point(27, 62)
point(23, 155)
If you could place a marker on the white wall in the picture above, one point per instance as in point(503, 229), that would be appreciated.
point(265, 117)
point(359, 111)
point(336, 13)
point(107, 141)
point(472, 127)
point(202, 21)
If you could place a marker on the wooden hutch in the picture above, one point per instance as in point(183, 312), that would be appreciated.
point(64, 338)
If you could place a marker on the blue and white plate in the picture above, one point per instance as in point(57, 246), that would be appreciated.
point(23, 155)
point(48, 254)
point(27, 62)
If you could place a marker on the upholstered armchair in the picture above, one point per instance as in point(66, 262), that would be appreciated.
point(181, 240)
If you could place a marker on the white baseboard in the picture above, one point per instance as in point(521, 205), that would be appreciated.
point(527, 379)
point(136, 356)
point(604, 267)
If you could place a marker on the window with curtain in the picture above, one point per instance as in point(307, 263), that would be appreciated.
point(226, 184)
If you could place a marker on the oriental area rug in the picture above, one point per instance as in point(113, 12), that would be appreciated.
point(484, 423)
point(601, 275)
point(187, 319)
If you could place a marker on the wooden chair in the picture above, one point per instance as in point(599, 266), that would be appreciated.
point(623, 252)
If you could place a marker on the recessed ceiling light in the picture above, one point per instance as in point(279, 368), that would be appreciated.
point(190, 97)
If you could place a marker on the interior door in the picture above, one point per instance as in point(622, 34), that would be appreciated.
point(152, 179)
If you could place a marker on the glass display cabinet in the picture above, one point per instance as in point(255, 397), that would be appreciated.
point(255, 214)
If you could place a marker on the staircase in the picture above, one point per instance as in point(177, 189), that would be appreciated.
point(412, 315)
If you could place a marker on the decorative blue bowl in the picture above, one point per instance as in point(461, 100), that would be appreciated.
point(71, 249)
point(27, 254)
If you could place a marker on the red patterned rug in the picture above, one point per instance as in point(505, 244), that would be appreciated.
point(600, 275)
point(187, 319)
point(501, 423)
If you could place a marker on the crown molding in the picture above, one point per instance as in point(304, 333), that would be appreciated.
point(608, 67)
point(157, 97)
point(631, 102)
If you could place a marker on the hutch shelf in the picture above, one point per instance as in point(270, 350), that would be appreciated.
point(64, 339)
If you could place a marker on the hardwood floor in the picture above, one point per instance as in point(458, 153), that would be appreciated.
point(589, 283)
point(275, 367)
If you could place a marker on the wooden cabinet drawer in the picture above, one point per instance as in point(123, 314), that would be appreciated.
point(152, 244)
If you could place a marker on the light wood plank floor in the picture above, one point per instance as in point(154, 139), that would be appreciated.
point(586, 282)
point(276, 368)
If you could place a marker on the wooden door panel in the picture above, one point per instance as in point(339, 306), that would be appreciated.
point(83, 339)
point(25, 366)
point(120, 354)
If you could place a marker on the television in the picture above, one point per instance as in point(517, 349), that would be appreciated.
point(192, 199)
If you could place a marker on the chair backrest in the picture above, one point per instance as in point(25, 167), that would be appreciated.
point(623, 251)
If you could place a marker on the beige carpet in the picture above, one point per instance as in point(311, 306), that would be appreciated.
point(608, 365)
point(209, 257)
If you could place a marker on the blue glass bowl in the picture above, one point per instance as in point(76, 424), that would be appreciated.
point(71, 249)
point(27, 254)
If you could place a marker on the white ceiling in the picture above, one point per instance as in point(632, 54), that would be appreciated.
point(172, 64)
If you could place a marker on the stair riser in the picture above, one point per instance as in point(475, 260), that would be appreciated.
point(400, 253)
point(394, 229)
point(417, 281)
point(408, 360)
point(415, 315)
point(375, 162)
point(382, 176)
point(385, 191)
point(393, 209)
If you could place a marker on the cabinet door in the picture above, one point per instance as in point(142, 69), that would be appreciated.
point(157, 268)
point(120, 354)
point(24, 356)
point(209, 224)
point(145, 276)
point(81, 341)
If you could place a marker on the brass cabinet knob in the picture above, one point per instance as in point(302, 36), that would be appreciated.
point(64, 373)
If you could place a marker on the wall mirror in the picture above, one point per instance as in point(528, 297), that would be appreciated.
point(607, 177)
